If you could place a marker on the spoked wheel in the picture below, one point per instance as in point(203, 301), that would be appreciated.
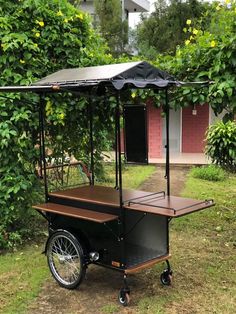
point(66, 259)
point(124, 297)
point(166, 277)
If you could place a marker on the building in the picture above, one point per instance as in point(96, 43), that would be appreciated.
point(128, 6)
point(188, 128)
point(187, 132)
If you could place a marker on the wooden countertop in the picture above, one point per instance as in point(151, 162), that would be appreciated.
point(153, 203)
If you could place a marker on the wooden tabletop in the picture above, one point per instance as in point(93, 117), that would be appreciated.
point(101, 195)
point(171, 206)
point(154, 203)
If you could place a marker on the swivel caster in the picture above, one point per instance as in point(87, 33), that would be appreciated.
point(166, 277)
point(124, 296)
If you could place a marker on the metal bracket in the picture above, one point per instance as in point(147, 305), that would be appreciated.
point(116, 236)
point(135, 224)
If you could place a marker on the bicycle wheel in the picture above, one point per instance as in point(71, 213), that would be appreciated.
point(66, 259)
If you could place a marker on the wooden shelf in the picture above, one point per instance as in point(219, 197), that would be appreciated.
point(147, 264)
point(76, 212)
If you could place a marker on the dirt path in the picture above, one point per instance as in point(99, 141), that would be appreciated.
point(98, 292)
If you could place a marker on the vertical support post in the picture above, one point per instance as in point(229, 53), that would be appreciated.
point(42, 136)
point(167, 112)
point(122, 228)
point(91, 140)
point(40, 148)
point(119, 147)
point(116, 149)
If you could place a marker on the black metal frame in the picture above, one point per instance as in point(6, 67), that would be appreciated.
point(118, 165)
point(42, 142)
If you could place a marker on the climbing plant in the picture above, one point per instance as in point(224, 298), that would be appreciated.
point(39, 37)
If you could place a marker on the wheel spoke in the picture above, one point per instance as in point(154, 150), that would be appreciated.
point(65, 260)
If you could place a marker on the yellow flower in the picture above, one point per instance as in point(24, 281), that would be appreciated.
point(133, 95)
point(195, 31)
point(80, 16)
point(188, 22)
point(61, 115)
point(227, 1)
point(37, 34)
point(59, 13)
point(41, 23)
point(213, 43)
point(22, 61)
point(178, 53)
point(65, 20)
point(187, 42)
point(36, 45)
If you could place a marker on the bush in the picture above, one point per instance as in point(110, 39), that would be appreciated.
point(38, 37)
point(210, 173)
point(221, 144)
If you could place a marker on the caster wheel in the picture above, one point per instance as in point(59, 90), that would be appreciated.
point(124, 297)
point(166, 278)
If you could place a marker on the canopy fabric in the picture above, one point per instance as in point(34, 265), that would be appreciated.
point(135, 74)
point(139, 74)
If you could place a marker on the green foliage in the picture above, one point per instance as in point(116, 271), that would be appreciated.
point(39, 37)
point(112, 26)
point(162, 31)
point(209, 173)
point(208, 54)
point(221, 144)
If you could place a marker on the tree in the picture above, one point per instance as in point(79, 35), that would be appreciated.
point(112, 25)
point(209, 55)
point(39, 37)
point(162, 31)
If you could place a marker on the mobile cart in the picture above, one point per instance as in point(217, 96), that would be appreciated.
point(126, 230)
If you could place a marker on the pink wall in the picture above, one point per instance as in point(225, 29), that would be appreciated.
point(154, 123)
point(194, 128)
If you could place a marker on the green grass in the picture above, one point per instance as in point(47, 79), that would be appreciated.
point(22, 273)
point(209, 172)
point(132, 175)
point(203, 247)
point(110, 308)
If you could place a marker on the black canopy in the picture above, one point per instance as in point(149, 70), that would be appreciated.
point(136, 74)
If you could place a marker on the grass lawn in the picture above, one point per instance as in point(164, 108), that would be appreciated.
point(203, 247)
point(22, 273)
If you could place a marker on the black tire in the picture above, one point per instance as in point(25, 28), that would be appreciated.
point(65, 257)
point(166, 278)
point(124, 297)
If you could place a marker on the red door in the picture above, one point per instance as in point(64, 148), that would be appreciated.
point(194, 126)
